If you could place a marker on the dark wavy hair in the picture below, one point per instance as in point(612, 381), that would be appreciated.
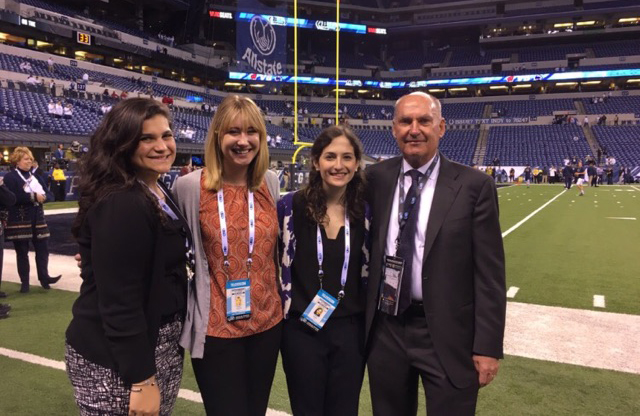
point(314, 193)
point(107, 167)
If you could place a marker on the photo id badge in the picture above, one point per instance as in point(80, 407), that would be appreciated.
point(390, 292)
point(319, 310)
point(238, 300)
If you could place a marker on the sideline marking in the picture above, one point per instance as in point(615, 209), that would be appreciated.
point(60, 211)
point(511, 293)
point(598, 301)
point(636, 188)
point(528, 217)
point(622, 218)
point(185, 394)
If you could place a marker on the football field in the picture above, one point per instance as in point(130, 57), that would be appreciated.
point(573, 324)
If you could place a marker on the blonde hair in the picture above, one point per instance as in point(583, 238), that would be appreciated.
point(18, 153)
point(232, 107)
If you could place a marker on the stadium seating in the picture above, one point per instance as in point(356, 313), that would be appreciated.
point(533, 108)
point(613, 105)
point(621, 142)
point(542, 146)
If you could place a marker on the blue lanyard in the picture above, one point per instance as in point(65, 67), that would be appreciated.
point(347, 253)
point(402, 218)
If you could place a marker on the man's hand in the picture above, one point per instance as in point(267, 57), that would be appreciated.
point(487, 368)
point(78, 259)
point(41, 198)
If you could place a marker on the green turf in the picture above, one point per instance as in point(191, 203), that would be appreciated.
point(570, 250)
point(60, 205)
point(525, 386)
point(562, 256)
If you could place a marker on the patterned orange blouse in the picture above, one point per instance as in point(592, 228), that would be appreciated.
point(266, 306)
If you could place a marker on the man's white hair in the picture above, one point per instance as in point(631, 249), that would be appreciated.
point(435, 101)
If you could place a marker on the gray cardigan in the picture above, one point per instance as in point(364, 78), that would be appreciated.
point(186, 191)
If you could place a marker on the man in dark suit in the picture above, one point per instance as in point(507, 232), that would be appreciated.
point(449, 325)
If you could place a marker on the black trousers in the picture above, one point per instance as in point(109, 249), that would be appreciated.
point(401, 351)
point(324, 369)
point(42, 258)
point(59, 190)
point(235, 374)
point(567, 182)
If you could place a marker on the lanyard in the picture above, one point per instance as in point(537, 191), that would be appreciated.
point(223, 231)
point(191, 264)
point(347, 253)
point(401, 219)
point(34, 187)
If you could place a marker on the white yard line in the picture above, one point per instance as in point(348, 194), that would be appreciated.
point(185, 394)
point(636, 188)
point(511, 293)
point(622, 218)
point(588, 338)
point(574, 336)
point(60, 211)
point(528, 217)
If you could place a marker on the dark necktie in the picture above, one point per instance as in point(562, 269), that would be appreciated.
point(406, 245)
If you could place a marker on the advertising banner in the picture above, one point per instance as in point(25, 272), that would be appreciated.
point(261, 38)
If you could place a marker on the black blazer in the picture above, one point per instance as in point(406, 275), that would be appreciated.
point(117, 315)
point(463, 268)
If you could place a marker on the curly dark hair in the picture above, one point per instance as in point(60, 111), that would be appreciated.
point(107, 167)
point(314, 193)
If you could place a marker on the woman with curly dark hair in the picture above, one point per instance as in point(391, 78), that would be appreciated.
point(122, 352)
point(324, 262)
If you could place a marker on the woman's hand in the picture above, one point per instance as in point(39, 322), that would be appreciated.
point(145, 399)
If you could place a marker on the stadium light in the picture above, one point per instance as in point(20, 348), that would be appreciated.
point(458, 89)
point(590, 82)
point(629, 20)
point(498, 87)
point(565, 84)
point(633, 81)
point(563, 25)
point(586, 23)
point(436, 90)
point(522, 86)
point(232, 84)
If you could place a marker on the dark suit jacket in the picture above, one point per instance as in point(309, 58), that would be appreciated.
point(463, 270)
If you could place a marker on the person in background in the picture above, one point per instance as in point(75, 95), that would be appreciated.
point(59, 109)
point(58, 182)
point(68, 111)
point(26, 220)
point(323, 230)
point(7, 199)
point(122, 354)
point(234, 319)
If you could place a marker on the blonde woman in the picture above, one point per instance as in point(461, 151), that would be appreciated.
point(233, 325)
point(26, 218)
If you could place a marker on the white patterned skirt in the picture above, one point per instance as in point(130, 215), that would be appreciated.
point(100, 391)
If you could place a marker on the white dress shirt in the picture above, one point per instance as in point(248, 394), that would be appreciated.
point(426, 198)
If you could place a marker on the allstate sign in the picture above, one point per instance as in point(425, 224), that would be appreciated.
point(261, 41)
